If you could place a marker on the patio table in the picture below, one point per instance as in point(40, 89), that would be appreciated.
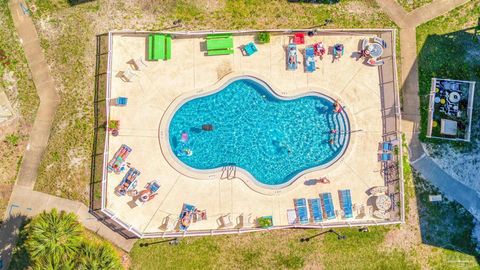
point(375, 49)
point(383, 202)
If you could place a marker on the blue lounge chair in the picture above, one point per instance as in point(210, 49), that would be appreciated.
point(346, 202)
point(302, 211)
point(121, 101)
point(386, 156)
point(328, 208)
point(309, 59)
point(387, 146)
point(316, 209)
point(186, 216)
point(292, 62)
point(250, 49)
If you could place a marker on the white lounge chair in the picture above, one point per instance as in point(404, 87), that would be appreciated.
point(292, 216)
point(139, 63)
point(226, 221)
point(245, 220)
point(169, 223)
point(128, 74)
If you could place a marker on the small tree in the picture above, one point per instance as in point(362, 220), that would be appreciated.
point(53, 238)
point(97, 256)
point(263, 37)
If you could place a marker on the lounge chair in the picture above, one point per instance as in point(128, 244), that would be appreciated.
point(315, 210)
point(387, 146)
point(292, 216)
point(119, 101)
point(292, 62)
point(226, 221)
point(186, 216)
point(302, 211)
point(128, 74)
point(309, 59)
point(139, 63)
point(346, 203)
point(249, 49)
point(116, 163)
point(128, 182)
point(386, 156)
point(245, 220)
point(329, 210)
point(169, 223)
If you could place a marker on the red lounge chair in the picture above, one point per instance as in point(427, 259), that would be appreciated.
point(299, 38)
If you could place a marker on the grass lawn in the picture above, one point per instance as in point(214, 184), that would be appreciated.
point(447, 50)
point(274, 250)
point(67, 35)
point(17, 84)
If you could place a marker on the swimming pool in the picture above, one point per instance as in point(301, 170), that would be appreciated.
point(245, 124)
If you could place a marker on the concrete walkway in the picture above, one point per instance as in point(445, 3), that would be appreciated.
point(408, 22)
point(45, 86)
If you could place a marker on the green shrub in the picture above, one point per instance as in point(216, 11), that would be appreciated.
point(265, 222)
point(56, 240)
point(12, 139)
point(263, 37)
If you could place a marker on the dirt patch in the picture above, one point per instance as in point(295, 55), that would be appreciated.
point(408, 236)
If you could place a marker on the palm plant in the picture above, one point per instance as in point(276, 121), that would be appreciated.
point(93, 256)
point(52, 239)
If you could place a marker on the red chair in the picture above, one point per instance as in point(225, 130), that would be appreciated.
point(299, 38)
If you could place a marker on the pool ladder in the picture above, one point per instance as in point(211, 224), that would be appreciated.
point(228, 172)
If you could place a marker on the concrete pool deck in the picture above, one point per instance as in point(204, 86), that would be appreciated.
point(155, 90)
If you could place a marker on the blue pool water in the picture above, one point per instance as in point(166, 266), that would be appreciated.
point(273, 139)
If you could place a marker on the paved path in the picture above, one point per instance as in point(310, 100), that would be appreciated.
point(25, 202)
point(46, 91)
